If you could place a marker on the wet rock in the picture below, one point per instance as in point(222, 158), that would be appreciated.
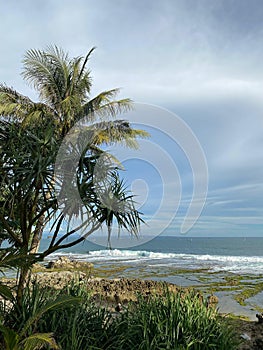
point(245, 336)
point(58, 280)
point(212, 301)
point(37, 266)
point(123, 290)
point(117, 298)
point(111, 291)
point(118, 308)
point(65, 263)
point(260, 318)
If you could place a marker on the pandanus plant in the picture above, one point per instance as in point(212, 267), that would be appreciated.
point(31, 134)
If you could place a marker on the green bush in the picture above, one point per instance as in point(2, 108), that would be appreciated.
point(173, 321)
point(18, 324)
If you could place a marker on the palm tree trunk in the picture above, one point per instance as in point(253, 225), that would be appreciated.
point(37, 235)
point(24, 272)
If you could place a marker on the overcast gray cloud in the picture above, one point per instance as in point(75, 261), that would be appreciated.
point(201, 59)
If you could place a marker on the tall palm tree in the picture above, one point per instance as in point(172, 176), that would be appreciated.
point(31, 133)
point(64, 88)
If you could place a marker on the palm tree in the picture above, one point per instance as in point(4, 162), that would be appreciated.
point(64, 88)
point(30, 136)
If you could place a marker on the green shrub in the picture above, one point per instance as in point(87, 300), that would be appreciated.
point(173, 321)
point(18, 325)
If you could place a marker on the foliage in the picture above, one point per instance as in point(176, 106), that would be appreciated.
point(13, 341)
point(27, 175)
point(31, 134)
point(176, 321)
point(19, 325)
point(171, 321)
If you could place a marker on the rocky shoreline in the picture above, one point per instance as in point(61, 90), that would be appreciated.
point(115, 293)
point(63, 272)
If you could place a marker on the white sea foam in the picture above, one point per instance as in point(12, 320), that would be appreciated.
point(251, 264)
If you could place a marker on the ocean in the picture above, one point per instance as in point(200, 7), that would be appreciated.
point(230, 268)
point(236, 255)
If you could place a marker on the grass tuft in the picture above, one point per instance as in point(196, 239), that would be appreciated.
point(172, 321)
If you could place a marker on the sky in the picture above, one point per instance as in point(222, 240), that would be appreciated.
point(192, 64)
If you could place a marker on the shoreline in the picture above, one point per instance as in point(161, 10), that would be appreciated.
point(111, 291)
point(238, 294)
point(241, 318)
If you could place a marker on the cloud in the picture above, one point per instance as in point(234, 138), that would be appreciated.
point(201, 59)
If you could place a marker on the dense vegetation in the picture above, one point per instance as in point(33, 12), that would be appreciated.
point(34, 196)
point(172, 321)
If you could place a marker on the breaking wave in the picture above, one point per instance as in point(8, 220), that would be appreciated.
point(250, 264)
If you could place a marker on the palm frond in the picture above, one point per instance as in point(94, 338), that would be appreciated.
point(11, 338)
point(38, 341)
point(13, 258)
point(118, 131)
point(15, 106)
point(61, 302)
point(103, 106)
point(33, 342)
point(117, 205)
point(6, 292)
point(40, 72)
point(83, 67)
point(28, 152)
point(12, 103)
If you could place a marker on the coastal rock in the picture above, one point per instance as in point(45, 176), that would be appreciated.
point(260, 318)
point(65, 263)
point(118, 308)
point(123, 290)
point(113, 291)
point(37, 266)
point(58, 280)
point(212, 301)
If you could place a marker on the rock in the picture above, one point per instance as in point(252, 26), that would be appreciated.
point(118, 308)
point(58, 280)
point(212, 300)
point(260, 318)
point(65, 263)
point(117, 298)
point(245, 336)
point(37, 266)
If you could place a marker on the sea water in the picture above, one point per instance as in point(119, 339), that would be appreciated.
point(206, 264)
point(236, 255)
